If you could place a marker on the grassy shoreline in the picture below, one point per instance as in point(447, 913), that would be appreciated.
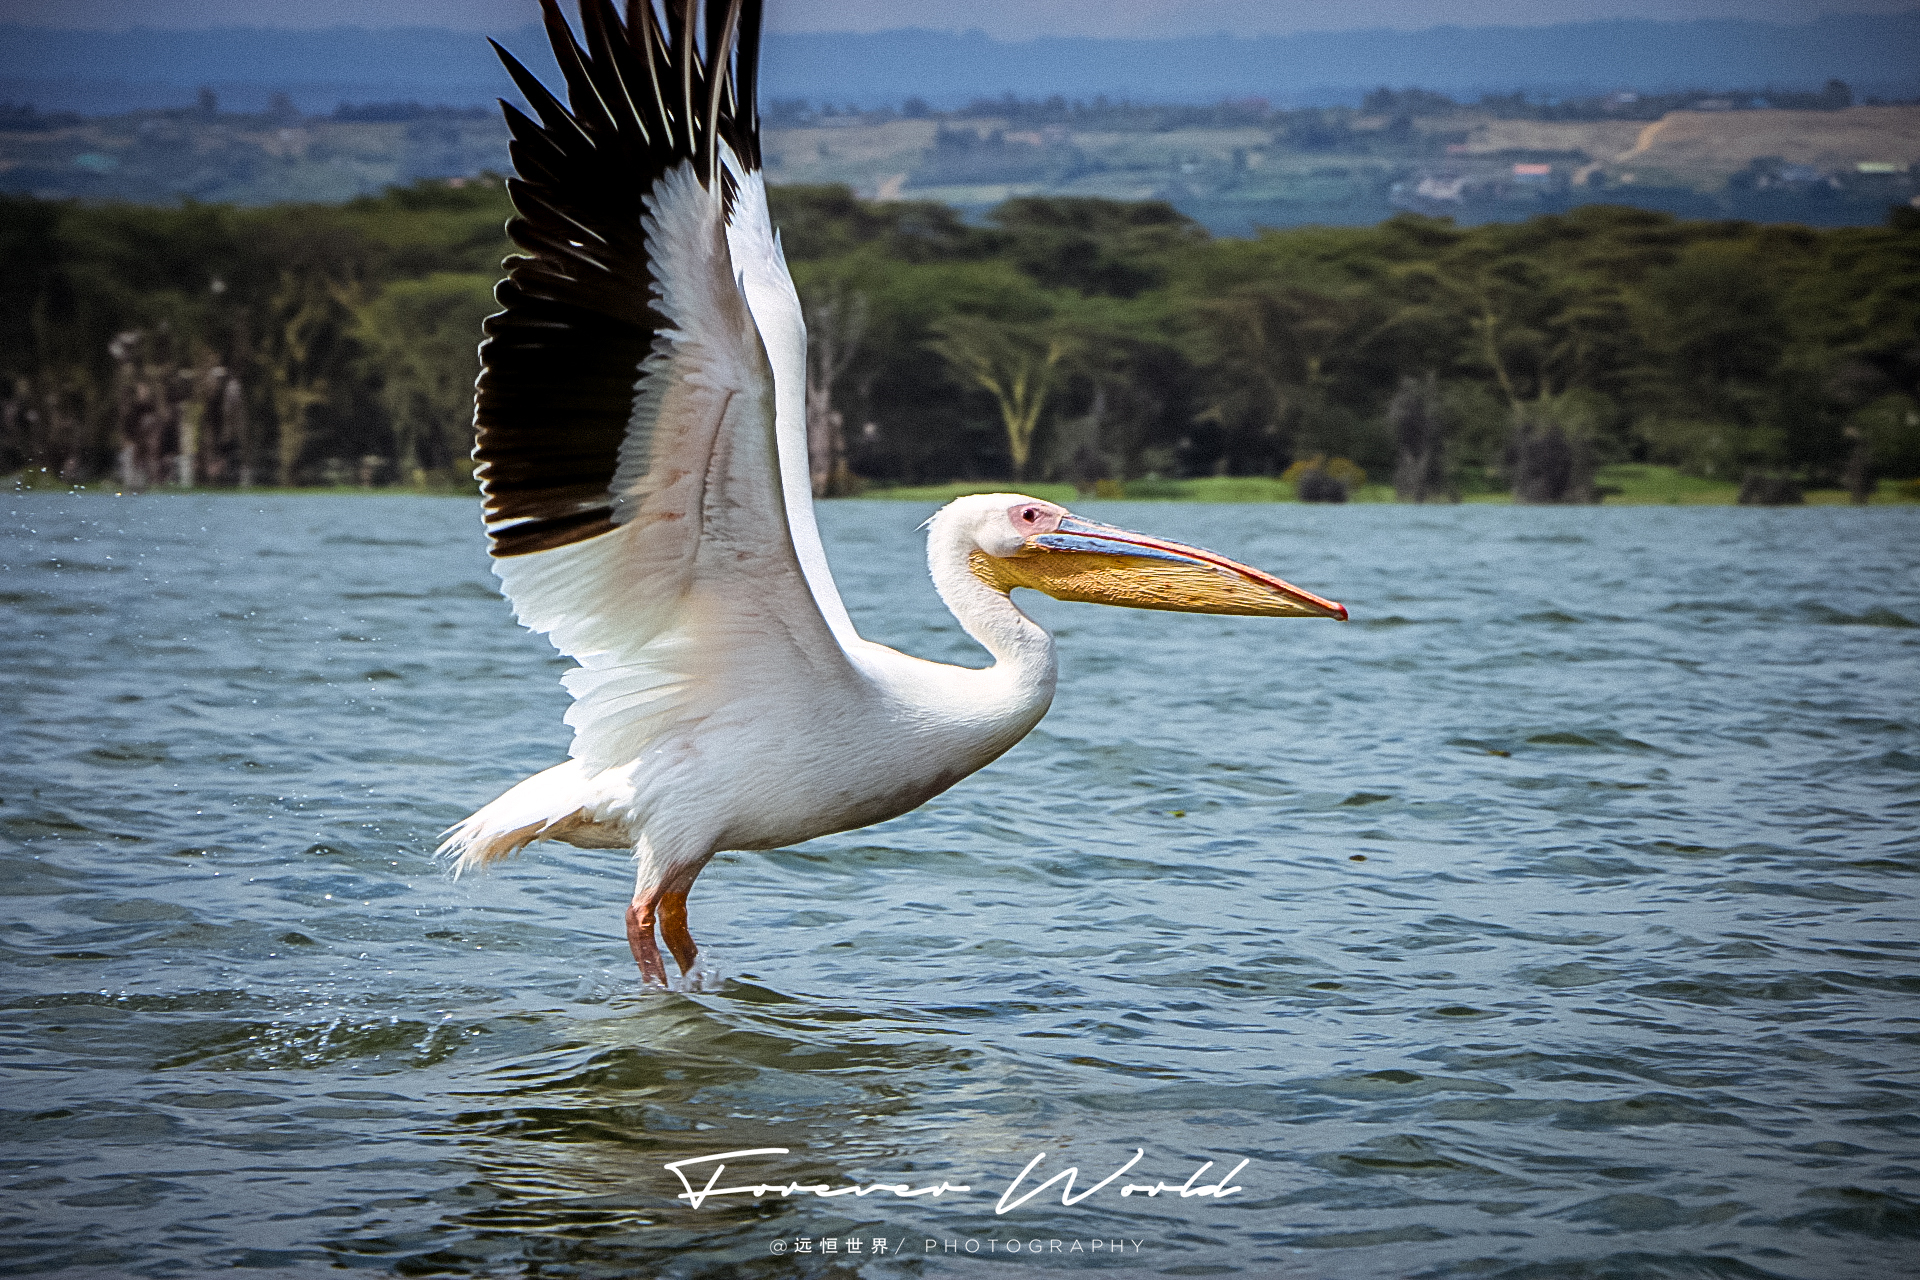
point(1623, 485)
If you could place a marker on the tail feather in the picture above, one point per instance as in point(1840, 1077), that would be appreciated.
point(547, 806)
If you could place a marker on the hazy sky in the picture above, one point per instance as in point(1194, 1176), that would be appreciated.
point(1004, 19)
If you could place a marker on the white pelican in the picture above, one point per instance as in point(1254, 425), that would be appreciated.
point(643, 456)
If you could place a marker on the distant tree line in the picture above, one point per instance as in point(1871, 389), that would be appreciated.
point(1121, 115)
point(407, 112)
point(1092, 341)
point(1835, 95)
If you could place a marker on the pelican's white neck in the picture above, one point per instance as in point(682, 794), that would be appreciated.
point(1020, 646)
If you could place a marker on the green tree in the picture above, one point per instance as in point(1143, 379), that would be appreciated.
point(1276, 353)
point(419, 339)
point(307, 318)
point(836, 317)
point(1123, 366)
point(1017, 365)
point(1093, 246)
point(1714, 338)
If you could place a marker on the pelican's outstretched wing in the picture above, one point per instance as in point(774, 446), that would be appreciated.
point(629, 454)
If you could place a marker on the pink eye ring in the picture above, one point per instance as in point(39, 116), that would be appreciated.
point(1032, 517)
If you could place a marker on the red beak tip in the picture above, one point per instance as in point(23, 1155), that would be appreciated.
point(1340, 612)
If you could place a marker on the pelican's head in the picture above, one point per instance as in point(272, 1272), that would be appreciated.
point(1017, 541)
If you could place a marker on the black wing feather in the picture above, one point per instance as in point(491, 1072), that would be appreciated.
point(607, 46)
point(583, 94)
point(745, 116)
point(560, 363)
point(553, 114)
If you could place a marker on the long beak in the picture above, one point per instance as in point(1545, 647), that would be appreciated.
point(1097, 563)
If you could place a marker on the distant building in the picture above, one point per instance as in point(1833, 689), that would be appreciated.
point(1441, 187)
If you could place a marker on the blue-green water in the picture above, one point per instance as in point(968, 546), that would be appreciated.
point(1623, 987)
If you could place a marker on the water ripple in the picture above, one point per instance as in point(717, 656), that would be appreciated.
point(1514, 932)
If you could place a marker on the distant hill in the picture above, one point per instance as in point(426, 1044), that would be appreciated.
point(100, 72)
point(1878, 55)
point(1230, 168)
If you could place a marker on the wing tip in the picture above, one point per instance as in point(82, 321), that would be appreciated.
point(560, 360)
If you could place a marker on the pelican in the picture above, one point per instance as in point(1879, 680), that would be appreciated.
point(641, 440)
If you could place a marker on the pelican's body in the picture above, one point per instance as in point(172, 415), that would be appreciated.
point(805, 735)
point(643, 446)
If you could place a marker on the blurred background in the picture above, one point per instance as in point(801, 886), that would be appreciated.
point(1587, 251)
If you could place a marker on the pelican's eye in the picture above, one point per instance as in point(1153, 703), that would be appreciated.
point(1031, 518)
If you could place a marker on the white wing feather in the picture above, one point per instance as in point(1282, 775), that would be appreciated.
point(698, 597)
point(768, 284)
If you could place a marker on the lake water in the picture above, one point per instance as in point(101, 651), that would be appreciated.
point(1555, 918)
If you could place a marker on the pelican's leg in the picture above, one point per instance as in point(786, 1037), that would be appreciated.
point(641, 915)
point(673, 920)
